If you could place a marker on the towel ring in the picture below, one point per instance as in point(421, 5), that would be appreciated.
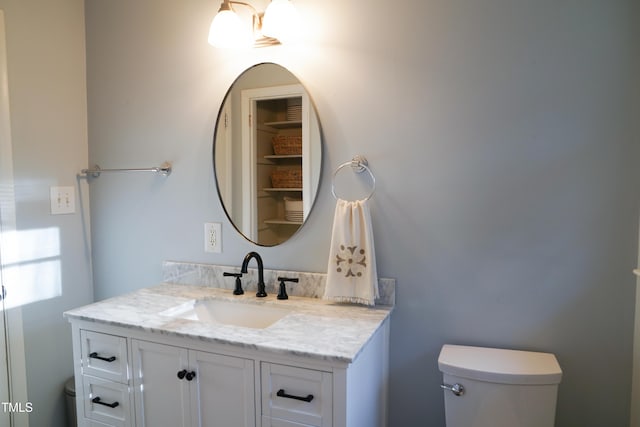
point(358, 164)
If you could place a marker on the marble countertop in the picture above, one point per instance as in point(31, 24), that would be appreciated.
point(314, 328)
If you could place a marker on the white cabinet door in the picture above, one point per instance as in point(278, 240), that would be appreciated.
point(223, 392)
point(161, 398)
point(178, 387)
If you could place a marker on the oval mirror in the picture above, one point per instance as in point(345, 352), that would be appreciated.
point(267, 154)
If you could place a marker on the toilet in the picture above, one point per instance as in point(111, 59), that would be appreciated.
point(490, 387)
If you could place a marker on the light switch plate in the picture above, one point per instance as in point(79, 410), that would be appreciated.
point(63, 200)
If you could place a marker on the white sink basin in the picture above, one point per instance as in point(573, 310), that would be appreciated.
point(255, 316)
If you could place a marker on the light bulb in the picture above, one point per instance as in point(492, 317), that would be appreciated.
point(228, 31)
point(281, 21)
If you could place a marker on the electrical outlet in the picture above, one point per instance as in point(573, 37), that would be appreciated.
point(63, 200)
point(213, 237)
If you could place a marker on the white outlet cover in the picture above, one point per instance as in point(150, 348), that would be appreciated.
point(213, 237)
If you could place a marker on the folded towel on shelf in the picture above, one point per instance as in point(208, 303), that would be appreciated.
point(351, 275)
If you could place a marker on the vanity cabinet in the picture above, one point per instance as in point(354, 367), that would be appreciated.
point(155, 372)
point(180, 387)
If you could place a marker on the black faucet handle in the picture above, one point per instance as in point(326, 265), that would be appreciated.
point(227, 274)
point(238, 290)
point(283, 288)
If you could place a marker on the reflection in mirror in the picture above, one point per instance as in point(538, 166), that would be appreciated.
point(267, 154)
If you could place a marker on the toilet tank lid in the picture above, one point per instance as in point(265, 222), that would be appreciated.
point(499, 365)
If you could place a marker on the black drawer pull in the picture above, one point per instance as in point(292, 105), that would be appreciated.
point(182, 373)
point(94, 355)
point(282, 393)
point(100, 402)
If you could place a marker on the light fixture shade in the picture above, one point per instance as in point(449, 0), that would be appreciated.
point(281, 21)
point(228, 31)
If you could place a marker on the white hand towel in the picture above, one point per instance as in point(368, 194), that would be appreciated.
point(352, 276)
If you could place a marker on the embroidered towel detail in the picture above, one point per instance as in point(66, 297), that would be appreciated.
point(351, 275)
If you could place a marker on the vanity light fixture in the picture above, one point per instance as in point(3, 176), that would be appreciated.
point(227, 29)
point(277, 24)
point(281, 21)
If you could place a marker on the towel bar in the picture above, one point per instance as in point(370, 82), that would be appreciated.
point(95, 171)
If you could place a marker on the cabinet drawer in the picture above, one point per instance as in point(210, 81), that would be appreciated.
point(106, 401)
point(92, 423)
point(276, 422)
point(299, 395)
point(104, 356)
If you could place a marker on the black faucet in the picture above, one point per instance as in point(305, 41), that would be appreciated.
point(261, 292)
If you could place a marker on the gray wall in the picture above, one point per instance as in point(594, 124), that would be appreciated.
point(47, 90)
point(502, 137)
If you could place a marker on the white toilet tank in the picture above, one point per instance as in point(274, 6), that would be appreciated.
point(498, 388)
